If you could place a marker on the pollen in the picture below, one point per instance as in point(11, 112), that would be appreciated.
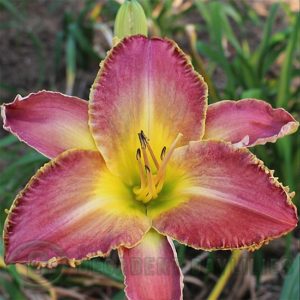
point(152, 181)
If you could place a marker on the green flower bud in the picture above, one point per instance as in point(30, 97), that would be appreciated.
point(130, 20)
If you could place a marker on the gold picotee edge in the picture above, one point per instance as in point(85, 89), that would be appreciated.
point(273, 180)
point(176, 48)
point(55, 261)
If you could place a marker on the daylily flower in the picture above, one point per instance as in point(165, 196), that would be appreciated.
point(144, 162)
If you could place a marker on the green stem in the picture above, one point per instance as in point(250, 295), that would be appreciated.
point(232, 263)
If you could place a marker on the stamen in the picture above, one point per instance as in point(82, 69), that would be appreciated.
point(166, 159)
point(151, 184)
point(150, 150)
point(153, 193)
point(145, 156)
point(160, 184)
point(142, 194)
point(141, 171)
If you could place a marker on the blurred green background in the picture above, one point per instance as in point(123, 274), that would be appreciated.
point(242, 48)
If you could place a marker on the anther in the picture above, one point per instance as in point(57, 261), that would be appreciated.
point(138, 154)
point(144, 136)
point(146, 140)
point(142, 139)
point(163, 152)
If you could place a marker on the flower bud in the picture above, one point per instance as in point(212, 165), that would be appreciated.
point(130, 20)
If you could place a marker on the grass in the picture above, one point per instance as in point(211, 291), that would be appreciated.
point(237, 58)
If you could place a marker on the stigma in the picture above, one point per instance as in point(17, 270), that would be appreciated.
point(151, 181)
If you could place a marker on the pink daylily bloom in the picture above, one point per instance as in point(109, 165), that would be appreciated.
point(143, 162)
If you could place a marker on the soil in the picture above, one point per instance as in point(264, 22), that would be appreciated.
point(27, 48)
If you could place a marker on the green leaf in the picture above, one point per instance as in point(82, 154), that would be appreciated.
point(58, 50)
point(243, 67)
point(229, 33)
point(15, 275)
point(291, 290)
point(287, 67)
point(216, 23)
point(262, 51)
point(181, 250)
point(13, 168)
point(12, 289)
point(89, 4)
point(252, 93)
point(7, 141)
point(211, 53)
point(83, 42)
point(104, 268)
point(39, 50)
point(8, 88)
point(70, 62)
point(258, 265)
point(120, 296)
point(203, 8)
point(284, 146)
point(9, 6)
point(232, 12)
point(273, 53)
point(210, 265)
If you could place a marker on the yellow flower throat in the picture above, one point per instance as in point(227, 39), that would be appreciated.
point(151, 182)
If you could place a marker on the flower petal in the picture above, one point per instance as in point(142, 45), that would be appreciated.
point(247, 122)
point(72, 209)
point(226, 199)
point(50, 122)
point(150, 85)
point(151, 269)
